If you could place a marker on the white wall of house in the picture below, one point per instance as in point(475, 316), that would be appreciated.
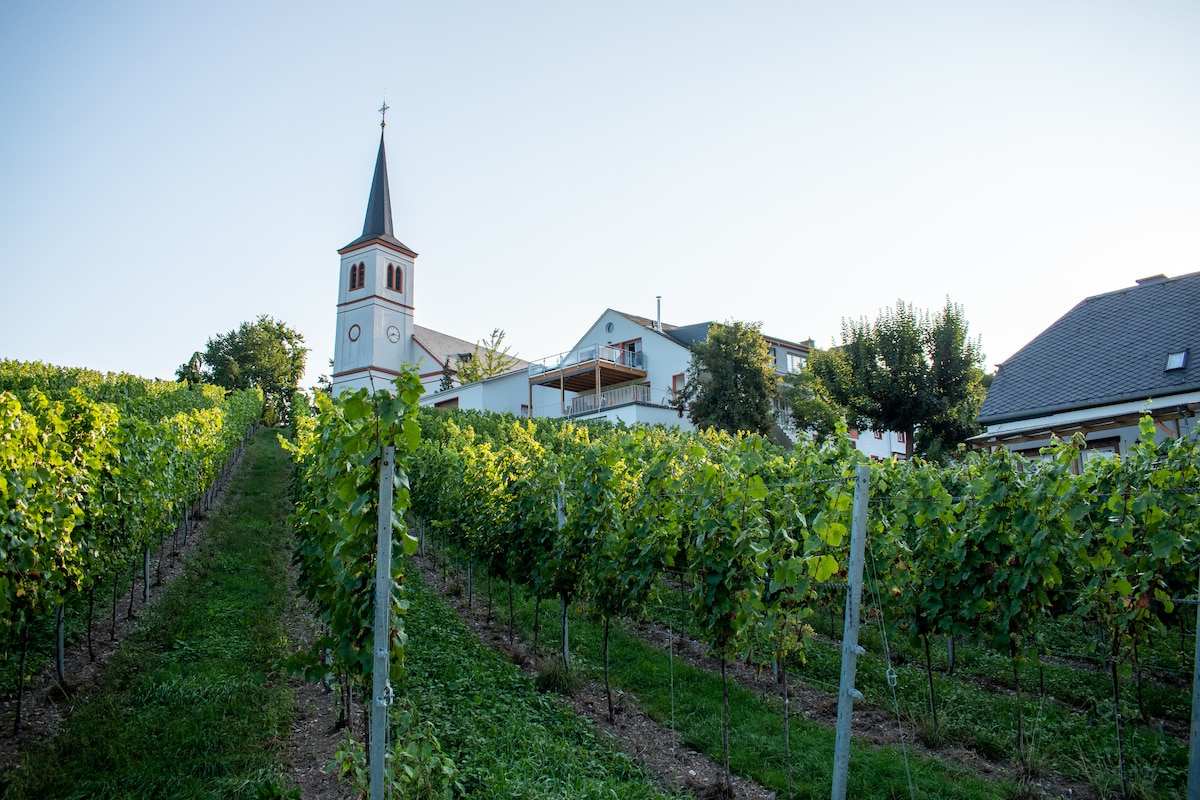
point(503, 394)
point(664, 357)
point(880, 445)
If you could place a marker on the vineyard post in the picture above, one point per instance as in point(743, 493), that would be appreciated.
point(562, 523)
point(1193, 784)
point(381, 691)
point(850, 649)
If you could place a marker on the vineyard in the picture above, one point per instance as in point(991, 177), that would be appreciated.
point(1037, 616)
point(1068, 596)
point(96, 471)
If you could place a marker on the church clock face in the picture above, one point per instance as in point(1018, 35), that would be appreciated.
point(393, 334)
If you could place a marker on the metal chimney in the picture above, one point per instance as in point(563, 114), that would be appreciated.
point(658, 320)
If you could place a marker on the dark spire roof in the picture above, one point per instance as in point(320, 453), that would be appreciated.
point(379, 207)
point(378, 222)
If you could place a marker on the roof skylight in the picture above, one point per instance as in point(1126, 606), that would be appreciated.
point(1177, 360)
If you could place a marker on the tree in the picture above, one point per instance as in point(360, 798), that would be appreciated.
point(908, 372)
point(731, 380)
point(447, 381)
point(492, 360)
point(192, 372)
point(810, 403)
point(265, 353)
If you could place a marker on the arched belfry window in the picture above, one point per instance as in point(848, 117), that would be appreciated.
point(362, 274)
point(391, 273)
point(399, 284)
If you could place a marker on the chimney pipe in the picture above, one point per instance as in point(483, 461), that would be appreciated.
point(658, 321)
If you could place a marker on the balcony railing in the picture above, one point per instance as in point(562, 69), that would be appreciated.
point(613, 397)
point(588, 355)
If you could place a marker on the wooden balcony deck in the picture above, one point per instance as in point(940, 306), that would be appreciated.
point(588, 369)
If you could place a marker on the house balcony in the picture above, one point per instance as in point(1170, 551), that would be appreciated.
point(588, 369)
point(621, 396)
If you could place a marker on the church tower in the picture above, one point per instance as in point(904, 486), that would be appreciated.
point(375, 296)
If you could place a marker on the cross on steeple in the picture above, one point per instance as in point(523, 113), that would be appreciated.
point(383, 109)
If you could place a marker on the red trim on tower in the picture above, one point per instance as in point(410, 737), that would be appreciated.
point(377, 243)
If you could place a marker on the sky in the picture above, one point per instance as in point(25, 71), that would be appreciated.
point(171, 170)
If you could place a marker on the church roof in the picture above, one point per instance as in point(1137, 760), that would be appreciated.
point(378, 223)
point(443, 346)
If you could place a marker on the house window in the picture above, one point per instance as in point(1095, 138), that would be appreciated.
point(795, 362)
point(1100, 448)
point(878, 434)
point(1177, 360)
point(899, 437)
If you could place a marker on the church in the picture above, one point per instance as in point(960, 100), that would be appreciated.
point(376, 333)
point(625, 367)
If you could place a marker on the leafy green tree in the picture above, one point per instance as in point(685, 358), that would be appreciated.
point(811, 405)
point(266, 354)
point(192, 372)
point(489, 359)
point(731, 380)
point(910, 372)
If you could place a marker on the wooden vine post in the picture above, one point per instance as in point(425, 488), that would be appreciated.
point(1193, 784)
point(381, 690)
point(850, 649)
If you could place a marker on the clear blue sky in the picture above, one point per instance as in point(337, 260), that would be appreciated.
point(169, 170)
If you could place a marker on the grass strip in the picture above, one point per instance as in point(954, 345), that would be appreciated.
point(756, 728)
point(1069, 730)
point(191, 706)
point(506, 738)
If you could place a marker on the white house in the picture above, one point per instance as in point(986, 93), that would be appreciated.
point(624, 367)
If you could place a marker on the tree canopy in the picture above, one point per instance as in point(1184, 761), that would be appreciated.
point(730, 382)
point(265, 353)
point(908, 371)
point(489, 359)
point(810, 403)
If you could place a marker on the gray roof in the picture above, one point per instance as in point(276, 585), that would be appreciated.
point(688, 335)
point(443, 346)
point(1111, 348)
point(378, 222)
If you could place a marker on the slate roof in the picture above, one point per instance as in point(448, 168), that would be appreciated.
point(443, 346)
point(688, 335)
point(378, 222)
point(1111, 348)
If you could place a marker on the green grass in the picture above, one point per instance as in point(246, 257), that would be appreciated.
point(191, 706)
point(1069, 728)
point(756, 733)
point(506, 738)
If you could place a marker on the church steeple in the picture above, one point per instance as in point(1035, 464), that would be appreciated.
point(375, 296)
point(379, 207)
point(378, 223)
